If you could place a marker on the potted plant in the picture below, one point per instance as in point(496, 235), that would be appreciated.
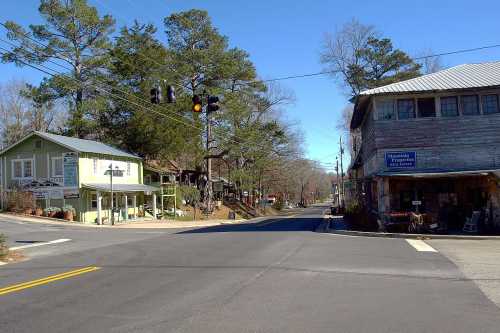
point(51, 211)
point(68, 213)
point(28, 210)
point(38, 211)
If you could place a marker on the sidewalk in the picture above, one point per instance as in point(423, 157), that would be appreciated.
point(145, 224)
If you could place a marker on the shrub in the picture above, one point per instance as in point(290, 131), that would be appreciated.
point(4, 250)
point(278, 205)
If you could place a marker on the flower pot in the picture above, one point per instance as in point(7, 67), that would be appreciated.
point(38, 211)
point(68, 215)
point(53, 214)
point(28, 211)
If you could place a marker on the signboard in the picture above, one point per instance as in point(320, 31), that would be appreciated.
point(71, 194)
point(416, 202)
point(70, 167)
point(401, 160)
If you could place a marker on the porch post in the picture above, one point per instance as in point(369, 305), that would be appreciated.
point(125, 197)
point(99, 208)
point(154, 205)
point(134, 203)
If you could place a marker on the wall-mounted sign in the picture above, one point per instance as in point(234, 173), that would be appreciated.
point(416, 202)
point(401, 159)
point(70, 167)
point(71, 193)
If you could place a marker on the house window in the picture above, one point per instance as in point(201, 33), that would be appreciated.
point(426, 107)
point(470, 105)
point(128, 168)
point(94, 164)
point(22, 169)
point(386, 110)
point(93, 201)
point(406, 108)
point(449, 106)
point(57, 167)
point(18, 169)
point(490, 104)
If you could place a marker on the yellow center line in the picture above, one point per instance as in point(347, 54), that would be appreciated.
point(48, 279)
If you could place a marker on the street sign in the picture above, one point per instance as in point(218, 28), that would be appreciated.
point(401, 159)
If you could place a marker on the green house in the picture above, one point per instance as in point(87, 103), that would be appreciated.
point(62, 170)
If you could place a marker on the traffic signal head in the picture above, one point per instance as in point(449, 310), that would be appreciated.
point(171, 94)
point(156, 95)
point(197, 106)
point(212, 105)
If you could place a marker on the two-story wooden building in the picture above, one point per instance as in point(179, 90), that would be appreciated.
point(62, 170)
point(431, 142)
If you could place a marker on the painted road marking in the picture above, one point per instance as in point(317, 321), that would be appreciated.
point(48, 279)
point(420, 245)
point(57, 241)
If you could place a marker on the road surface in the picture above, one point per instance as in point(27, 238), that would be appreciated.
point(277, 275)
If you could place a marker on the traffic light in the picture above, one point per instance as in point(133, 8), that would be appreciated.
point(212, 105)
point(156, 95)
point(197, 105)
point(170, 94)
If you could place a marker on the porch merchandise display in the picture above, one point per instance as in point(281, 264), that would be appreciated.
point(471, 224)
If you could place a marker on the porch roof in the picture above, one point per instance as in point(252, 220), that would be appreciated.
point(122, 187)
point(439, 173)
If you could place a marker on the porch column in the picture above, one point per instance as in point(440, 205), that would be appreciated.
point(383, 196)
point(134, 203)
point(125, 198)
point(154, 206)
point(99, 208)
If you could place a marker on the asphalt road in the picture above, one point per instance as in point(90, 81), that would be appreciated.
point(273, 276)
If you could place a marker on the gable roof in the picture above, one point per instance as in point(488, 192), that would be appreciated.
point(459, 77)
point(78, 145)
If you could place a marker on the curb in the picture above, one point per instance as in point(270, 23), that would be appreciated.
point(398, 235)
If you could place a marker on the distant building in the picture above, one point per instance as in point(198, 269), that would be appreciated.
point(61, 170)
point(431, 143)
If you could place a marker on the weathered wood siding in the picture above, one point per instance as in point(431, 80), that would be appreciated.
point(463, 142)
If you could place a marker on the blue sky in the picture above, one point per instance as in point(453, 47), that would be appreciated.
point(284, 38)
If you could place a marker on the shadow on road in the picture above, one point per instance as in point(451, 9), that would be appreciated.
point(271, 225)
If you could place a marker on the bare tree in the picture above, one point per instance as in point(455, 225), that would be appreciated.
point(430, 64)
point(341, 49)
point(21, 112)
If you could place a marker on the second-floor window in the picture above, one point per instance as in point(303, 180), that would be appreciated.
point(128, 168)
point(470, 105)
point(449, 106)
point(386, 110)
point(406, 108)
point(490, 104)
point(426, 107)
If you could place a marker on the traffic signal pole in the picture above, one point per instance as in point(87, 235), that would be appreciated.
point(209, 163)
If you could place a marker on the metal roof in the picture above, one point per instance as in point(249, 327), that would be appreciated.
point(122, 187)
point(84, 146)
point(459, 77)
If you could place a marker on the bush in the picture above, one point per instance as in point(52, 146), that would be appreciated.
point(20, 201)
point(278, 205)
point(4, 250)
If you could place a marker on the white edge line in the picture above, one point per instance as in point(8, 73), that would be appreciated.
point(420, 245)
point(57, 241)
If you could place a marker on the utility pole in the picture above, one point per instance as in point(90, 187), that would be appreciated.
point(342, 172)
point(338, 181)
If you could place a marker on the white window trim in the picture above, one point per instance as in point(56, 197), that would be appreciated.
point(22, 160)
point(53, 167)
